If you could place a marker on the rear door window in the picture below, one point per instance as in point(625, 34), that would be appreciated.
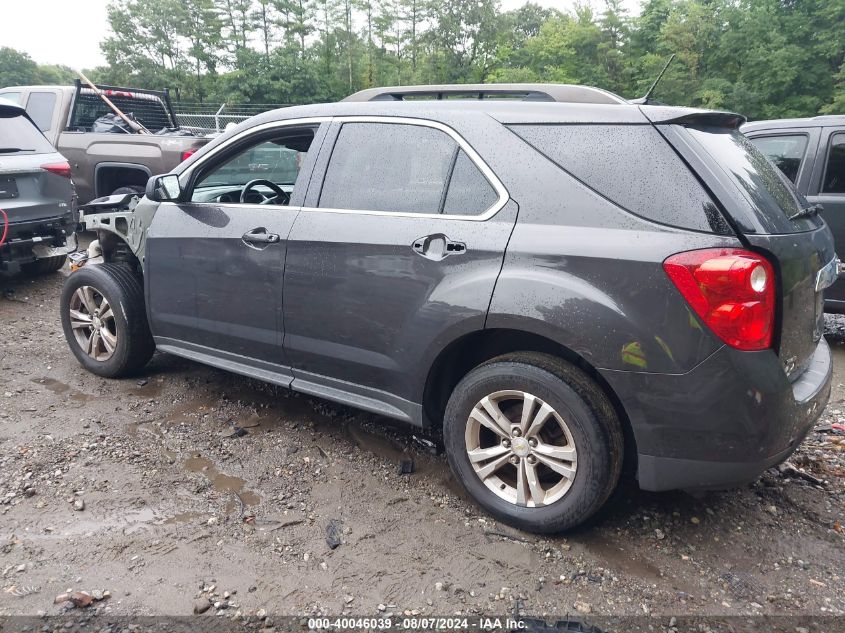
point(784, 150)
point(19, 136)
point(633, 167)
point(834, 173)
point(40, 107)
point(388, 167)
point(14, 97)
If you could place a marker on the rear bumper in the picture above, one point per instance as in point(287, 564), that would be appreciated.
point(35, 239)
point(723, 423)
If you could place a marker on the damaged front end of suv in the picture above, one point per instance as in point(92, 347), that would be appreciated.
point(120, 223)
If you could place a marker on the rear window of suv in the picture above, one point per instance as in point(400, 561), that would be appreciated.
point(772, 196)
point(634, 167)
point(18, 135)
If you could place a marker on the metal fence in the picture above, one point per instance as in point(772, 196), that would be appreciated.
point(205, 118)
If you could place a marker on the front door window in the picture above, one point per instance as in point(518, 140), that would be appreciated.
point(265, 172)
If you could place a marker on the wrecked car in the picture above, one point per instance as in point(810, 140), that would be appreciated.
point(37, 199)
point(562, 290)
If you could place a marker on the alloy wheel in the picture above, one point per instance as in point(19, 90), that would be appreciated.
point(92, 322)
point(521, 448)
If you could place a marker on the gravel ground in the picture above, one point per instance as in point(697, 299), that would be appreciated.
point(143, 493)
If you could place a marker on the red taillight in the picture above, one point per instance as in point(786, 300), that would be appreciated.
point(60, 169)
point(188, 153)
point(732, 290)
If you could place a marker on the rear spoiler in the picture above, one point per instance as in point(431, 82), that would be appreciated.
point(692, 117)
point(10, 107)
point(6, 105)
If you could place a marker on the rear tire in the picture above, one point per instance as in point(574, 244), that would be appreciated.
point(546, 470)
point(106, 300)
point(45, 265)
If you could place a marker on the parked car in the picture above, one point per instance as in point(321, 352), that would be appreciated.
point(556, 287)
point(36, 195)
point(811, 153)
point(103, 162)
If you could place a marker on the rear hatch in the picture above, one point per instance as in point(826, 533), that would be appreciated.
point(34, 178)
point(769, 214)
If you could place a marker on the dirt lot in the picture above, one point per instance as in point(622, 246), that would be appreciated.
point(140, 488)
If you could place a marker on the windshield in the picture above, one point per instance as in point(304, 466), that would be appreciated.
point(18, 135)
point(772, 196)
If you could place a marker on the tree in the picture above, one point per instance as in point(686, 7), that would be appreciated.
point(16, 68)
point(763, 58)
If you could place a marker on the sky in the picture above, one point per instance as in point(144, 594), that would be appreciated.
point(69, 32)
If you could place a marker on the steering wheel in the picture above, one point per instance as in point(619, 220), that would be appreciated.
point(281, 197)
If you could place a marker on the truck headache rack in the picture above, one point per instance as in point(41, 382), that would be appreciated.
point(152, 108)
point(563, 93)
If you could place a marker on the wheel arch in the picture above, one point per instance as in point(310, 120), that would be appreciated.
point(117, 249)
point(109, 176)
point(468, 351)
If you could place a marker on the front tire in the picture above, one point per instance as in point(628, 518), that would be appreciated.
point(105, 321)
point(534, 440)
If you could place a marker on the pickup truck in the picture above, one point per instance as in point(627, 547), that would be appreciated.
point(116, 161)
point(811, 153)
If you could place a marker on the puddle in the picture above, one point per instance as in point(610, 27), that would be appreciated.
point(59, 388)
point(379, 445)
point(220, 481)
point(629, 561)
point(128, 523)
point(150, 428)
point(150, 389)
point(614, 555)
point(52, 384)
point(183, 517)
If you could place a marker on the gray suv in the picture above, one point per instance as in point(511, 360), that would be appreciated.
point(558, 288)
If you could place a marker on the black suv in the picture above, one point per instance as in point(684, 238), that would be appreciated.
point(559, 287)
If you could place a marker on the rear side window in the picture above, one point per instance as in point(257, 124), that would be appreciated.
point(14, 97)
point(773, 197)
point(469, 193)
point(785, 150)
point(632, 166)
point(40, 107)
point(834, 173)
point(403, 168)
point(19, 136)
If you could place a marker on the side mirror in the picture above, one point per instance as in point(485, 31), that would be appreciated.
point(164, 188)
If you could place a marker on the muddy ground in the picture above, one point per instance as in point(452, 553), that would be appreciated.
point(140, 488)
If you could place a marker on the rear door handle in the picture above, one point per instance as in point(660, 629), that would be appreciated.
point(437, 247)
point(260, 238)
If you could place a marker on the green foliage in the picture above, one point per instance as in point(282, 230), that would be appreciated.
point(18, 69)
point(763, 58)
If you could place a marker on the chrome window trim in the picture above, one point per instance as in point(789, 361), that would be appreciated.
point(499, 188)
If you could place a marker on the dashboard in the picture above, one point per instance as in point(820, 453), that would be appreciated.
point(232, 195)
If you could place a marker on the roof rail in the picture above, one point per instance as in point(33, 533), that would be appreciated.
point(564, 93)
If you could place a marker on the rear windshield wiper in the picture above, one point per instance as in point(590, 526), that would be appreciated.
point(13, 150)
point(813, 209)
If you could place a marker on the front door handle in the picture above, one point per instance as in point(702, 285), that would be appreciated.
point(437, 247)
point(260, 238)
